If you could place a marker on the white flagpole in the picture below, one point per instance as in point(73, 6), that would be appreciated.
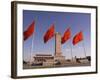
point(31, 51)
point(84, 49)
point(71, 52)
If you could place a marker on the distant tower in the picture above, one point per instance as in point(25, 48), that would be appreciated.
point(58, 44)
point(58, 53)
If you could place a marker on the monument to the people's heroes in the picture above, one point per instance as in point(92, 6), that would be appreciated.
point(58, 53)
point(48, 59)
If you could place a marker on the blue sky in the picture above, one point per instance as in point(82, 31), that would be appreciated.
point(61, 20)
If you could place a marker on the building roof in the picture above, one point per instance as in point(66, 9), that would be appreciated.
point(43, 55)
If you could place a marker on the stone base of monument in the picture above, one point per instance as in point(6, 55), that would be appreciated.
point(60, 60)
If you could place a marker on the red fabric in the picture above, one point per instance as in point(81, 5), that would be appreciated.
point(66, 36)
point(29, 31)
point(49, 34)
point(77, 38)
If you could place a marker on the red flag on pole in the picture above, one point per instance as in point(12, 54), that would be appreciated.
point(29, 31)
point(77, 38)
point(49, 34)
point(66, 36)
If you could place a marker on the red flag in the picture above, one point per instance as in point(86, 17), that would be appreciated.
point(66, 36)
point(49, 34)
point(29, 31)
point(77, 38)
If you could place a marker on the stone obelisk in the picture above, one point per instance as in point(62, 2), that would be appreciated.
point(58, 44)
point(58, 52)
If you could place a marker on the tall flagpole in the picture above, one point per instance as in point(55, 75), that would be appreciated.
point(31, 51)
point(71, 52)
point(84, 49)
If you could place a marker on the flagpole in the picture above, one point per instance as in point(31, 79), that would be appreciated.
point(32, 48)
point(84, 49)
point(71, 52)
